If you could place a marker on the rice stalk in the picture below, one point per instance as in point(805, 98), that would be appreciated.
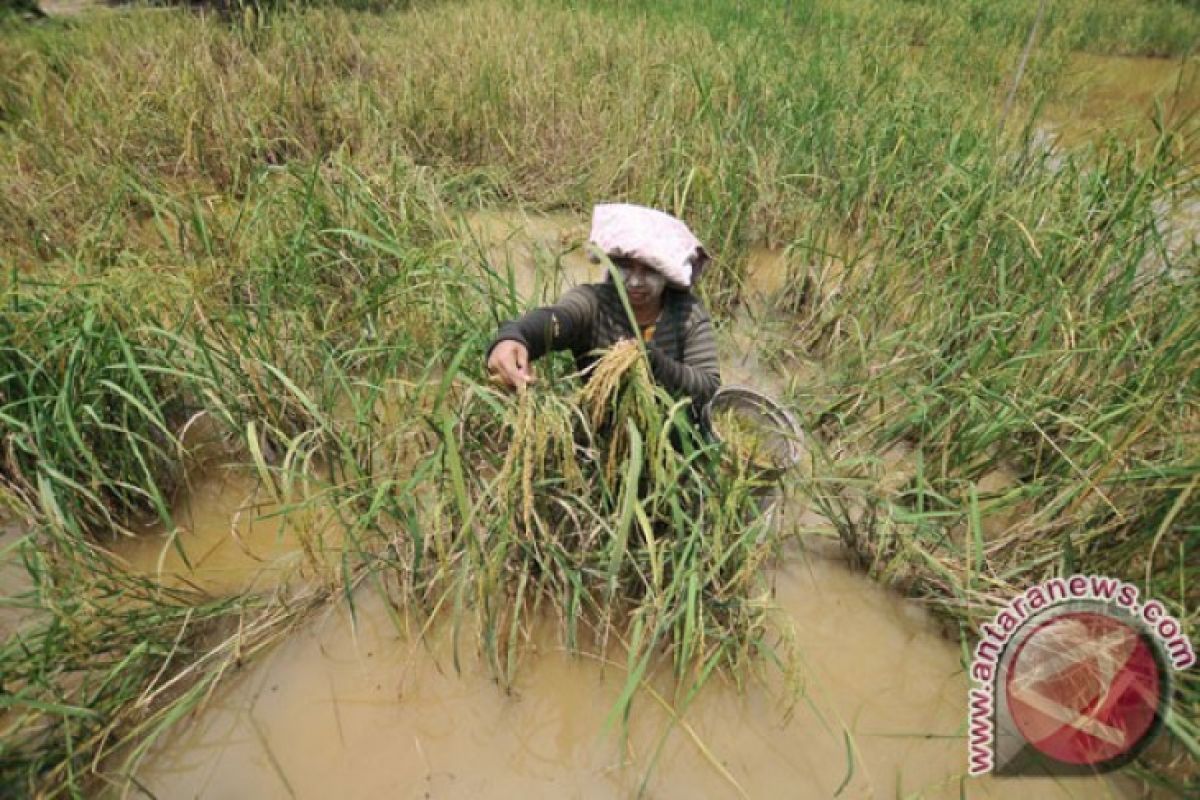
point(583, 500)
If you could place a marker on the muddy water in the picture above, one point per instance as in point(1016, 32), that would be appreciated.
point(14, 579)
point(338, 711)
point(232, 535)
point(1102, 94)
point(541, 254)
point(1120, 96)
point(232, 532)
point(363, 710)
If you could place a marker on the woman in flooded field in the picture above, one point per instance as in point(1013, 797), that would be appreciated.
point(658, 260)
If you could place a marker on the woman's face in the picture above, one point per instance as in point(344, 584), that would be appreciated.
point(644, 284)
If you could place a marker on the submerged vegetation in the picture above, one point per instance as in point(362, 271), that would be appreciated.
point(256, 222)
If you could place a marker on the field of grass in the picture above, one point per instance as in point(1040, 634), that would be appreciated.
point(256, 220)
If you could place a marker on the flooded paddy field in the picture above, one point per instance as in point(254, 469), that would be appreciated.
point(258, 543)
point(364, 705)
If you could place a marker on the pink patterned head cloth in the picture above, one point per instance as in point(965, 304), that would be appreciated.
point(657, 239)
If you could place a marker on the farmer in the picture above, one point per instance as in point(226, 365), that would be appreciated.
point(658, 260)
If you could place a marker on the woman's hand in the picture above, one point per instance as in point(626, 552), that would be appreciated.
point(509, 364)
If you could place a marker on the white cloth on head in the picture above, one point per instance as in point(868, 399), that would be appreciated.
point(657, 239)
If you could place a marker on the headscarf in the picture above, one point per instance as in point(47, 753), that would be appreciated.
point(657, 239)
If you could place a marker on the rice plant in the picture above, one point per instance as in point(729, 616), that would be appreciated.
point(601, 506)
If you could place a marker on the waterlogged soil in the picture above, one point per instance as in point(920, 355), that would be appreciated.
point(1128, 98)
point(360, 709)
point(363, 709)
point(229, 531)
point(538, 255)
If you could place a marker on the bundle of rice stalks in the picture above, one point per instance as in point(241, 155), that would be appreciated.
point(541, 454)
point(608, 375)
point(619, 393)
point(603, 504)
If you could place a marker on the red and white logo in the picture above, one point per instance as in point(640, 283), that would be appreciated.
point(1084, 688)
point(1072, 677)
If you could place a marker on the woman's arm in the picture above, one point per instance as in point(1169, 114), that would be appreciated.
point(566, 325)
point(698, 375)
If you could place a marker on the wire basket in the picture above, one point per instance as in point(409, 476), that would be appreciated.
point(778, 440)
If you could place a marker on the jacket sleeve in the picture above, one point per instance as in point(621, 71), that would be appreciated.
point(698, 375)
point(566, 325)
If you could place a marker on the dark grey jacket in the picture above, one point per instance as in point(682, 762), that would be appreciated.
point(682, 352)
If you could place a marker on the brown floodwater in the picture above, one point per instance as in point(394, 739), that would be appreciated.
point(364, 710)
point(541, 254)
point(1117, 94)
point(232, 535)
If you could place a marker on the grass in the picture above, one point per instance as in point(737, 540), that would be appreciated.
point(257, 221)
point(111, 662)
